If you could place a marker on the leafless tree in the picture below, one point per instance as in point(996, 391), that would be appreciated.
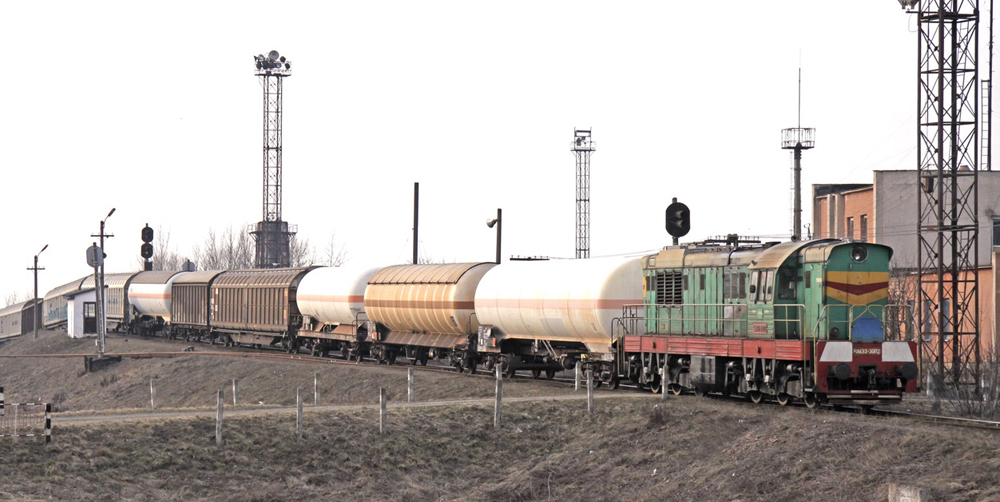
point(231, 250)
point(335, 252)
point(300, 253)
point(14, 297)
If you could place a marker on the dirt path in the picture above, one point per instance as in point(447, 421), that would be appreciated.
point(78, 419)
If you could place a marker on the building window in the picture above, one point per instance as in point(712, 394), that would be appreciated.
point(864, 228)
point(996, 231)
point(850, 228)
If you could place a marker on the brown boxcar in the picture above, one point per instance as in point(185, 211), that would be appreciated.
point(256, 306)
point(190, 301)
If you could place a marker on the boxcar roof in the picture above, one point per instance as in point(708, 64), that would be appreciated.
point(285, 277)
point(154, 277)
point(198, 277)
point(69, 287)
point(10, 309)
point(110, 280)
point(438, 273)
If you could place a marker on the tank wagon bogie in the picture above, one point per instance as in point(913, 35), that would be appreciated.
point(800, 320)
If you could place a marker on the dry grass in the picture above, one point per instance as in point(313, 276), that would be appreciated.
point(684, 449)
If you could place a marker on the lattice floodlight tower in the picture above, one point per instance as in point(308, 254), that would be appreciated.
point(582, 147)
point(271, 234)
point(797, 139)
point(947, 193)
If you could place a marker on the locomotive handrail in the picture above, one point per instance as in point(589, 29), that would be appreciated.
point(688, 319)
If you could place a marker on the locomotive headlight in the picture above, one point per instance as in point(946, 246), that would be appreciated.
point(859, 253)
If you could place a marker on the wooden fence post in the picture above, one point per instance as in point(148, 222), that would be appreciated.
point(298, 412)
point(236, 390)
point(590, 391)
point(409, 385)
point(576, 373)
point(663, 382)
point(316, 389)
point(496, 410)
point(152, 394)
point(381, 410)
point(218, 421)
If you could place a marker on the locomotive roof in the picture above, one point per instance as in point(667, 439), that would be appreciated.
point(756, 258)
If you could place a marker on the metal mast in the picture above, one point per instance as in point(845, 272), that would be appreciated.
point(582, 147)
point(947, 201)
point(798, 139)
point(272, 235)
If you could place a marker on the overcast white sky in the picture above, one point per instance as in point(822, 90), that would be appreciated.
point(154, 109)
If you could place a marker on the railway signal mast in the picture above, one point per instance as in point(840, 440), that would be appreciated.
point(582, 147)
point(798, 139)
point(947, 194)
point(271, 234)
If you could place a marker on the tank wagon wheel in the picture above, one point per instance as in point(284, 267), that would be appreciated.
point(675, 389)
point(489, 364)
point(550, 374)
point(423, 360)
point(699, 392)
point(784, 399)
point(536, 374)
point(756, 396)
point(509, 371)
point(345, 353)
point(811, 400)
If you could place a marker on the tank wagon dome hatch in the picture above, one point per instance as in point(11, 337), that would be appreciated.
point(427, 305)
point(575, 301)
point(334, 295)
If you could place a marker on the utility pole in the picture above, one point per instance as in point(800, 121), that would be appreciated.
point(36, 308)
point(102, 323)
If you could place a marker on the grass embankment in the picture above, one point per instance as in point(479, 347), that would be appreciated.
point(684, 449)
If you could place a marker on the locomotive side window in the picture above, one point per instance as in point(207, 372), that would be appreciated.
point(754, 286)
point(768, 286)
point(668, 288)
point(808, 278)
point(701, 281)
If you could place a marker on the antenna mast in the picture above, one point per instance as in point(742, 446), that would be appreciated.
point(797, 139)
point(272, 235)
point(582, 147)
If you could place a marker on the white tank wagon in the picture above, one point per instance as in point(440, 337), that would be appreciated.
point(426, 309)
point(551, 312)
point(331, 301)
point(149, 294)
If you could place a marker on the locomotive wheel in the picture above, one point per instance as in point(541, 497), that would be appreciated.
point(784, 399)
point(811, 400)
point(675, 389)
point(550, 374)
point(655, 386)
point(536, 374)
point(756, 396)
